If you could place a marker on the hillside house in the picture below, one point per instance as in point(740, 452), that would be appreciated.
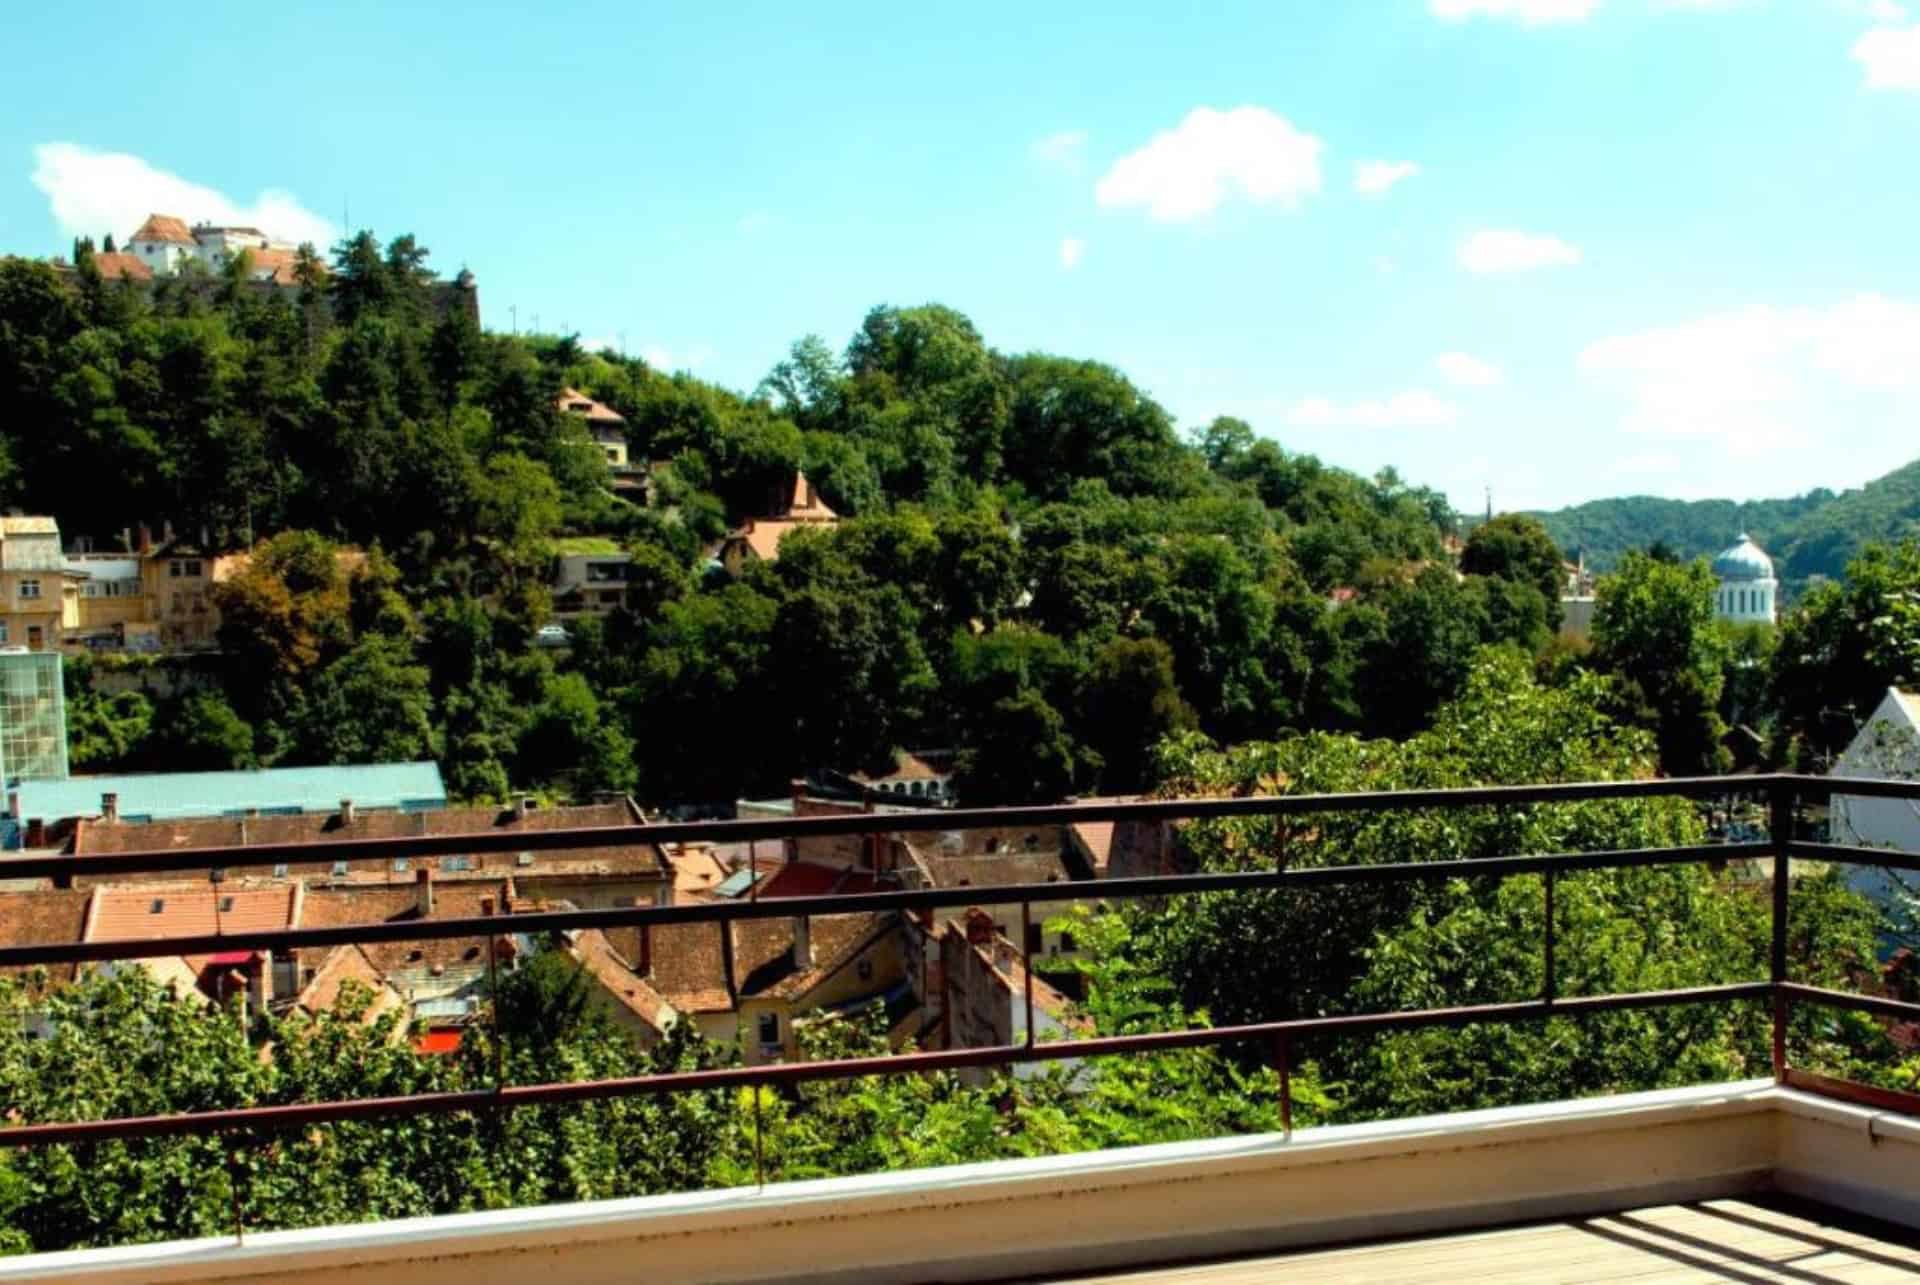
point(39, 599)
point(790, 509)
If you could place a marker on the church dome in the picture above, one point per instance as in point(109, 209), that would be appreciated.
point(1744, 561)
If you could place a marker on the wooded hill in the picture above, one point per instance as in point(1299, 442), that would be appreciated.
point(1814, 534)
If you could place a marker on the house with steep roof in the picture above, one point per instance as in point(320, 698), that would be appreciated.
point(1886, 748)
point(164, 244)
point(137, 912)
point(759, 981)
point(791, 508)
point(608, 426)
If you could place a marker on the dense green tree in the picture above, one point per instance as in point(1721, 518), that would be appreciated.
point(1653, 630)
point(1129, 702)
point(1516, 547)
point(1844, 646)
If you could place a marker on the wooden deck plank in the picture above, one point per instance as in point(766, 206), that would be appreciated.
point(1726, 1240)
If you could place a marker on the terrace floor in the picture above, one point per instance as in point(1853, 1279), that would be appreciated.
point(1772, 1239)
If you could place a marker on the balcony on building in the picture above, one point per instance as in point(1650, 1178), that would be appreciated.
point(1789, 1175)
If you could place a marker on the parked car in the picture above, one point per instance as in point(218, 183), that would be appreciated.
point(552, 636)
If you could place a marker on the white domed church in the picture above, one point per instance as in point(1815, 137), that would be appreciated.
point(1747, 585)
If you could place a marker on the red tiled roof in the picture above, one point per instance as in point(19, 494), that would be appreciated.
point(617, 978)
point(575, 402)
point(116, 264)
point(272, 265)
point(616, 858)
point(176, 910)
point(807, 879)
point(42, 918)
point(164, 227)
point(438, 1042)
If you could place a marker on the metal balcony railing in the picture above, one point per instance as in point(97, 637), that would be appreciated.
point(1782, 794)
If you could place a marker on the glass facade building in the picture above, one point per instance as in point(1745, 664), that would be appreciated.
point(33, 717)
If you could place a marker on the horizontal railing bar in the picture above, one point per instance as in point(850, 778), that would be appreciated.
point(408, 930)
point(1821, 787)
point(914, 822)
point(1875, 1004)
point(553, 1094)
point(1855, 853)
point(1866, 1095)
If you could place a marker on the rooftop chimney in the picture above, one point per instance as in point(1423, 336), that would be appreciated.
point(644, 964)
point(802, 942)
point(423, 889)
point(522, 806)
point(486, 907)
point(346, 812)
point(146, 539)
point(109, 806)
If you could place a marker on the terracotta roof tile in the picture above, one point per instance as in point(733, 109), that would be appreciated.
point(45, 918)
point(625, 987)
point(114, 265)
point(164, 227)
point(575, 402)
point(344, 964)
point(186, 910)
point(616, 858)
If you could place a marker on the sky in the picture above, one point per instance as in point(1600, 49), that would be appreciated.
point(1554, 250)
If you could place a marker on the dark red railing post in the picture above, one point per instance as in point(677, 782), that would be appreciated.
point(1283, 1060)
point(1780, 799)
point(1026, 953)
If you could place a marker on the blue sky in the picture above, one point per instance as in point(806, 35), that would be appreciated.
point(1605, 246)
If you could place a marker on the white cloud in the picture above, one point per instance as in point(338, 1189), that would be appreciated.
point(1530, 13)
point(1373, 178)
point(664, 359)
point(1891, 56)
point(1186, 172)
point(94, 192)
point(1063, 149)
point(1466, 369)
point(1505, 250)
point(1071, 248)
point(1885, 11)
point(1415, 408)
point(1761, 378)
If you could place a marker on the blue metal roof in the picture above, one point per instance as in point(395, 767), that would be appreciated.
point(736, 884)
point(165, 796)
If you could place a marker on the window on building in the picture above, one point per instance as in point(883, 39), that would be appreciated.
point(1066, 941)
point(3, 632)
point(1034, 933)
point(769, 1028)
point(29, 588)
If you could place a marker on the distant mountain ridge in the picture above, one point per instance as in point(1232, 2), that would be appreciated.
point(1809, 535)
